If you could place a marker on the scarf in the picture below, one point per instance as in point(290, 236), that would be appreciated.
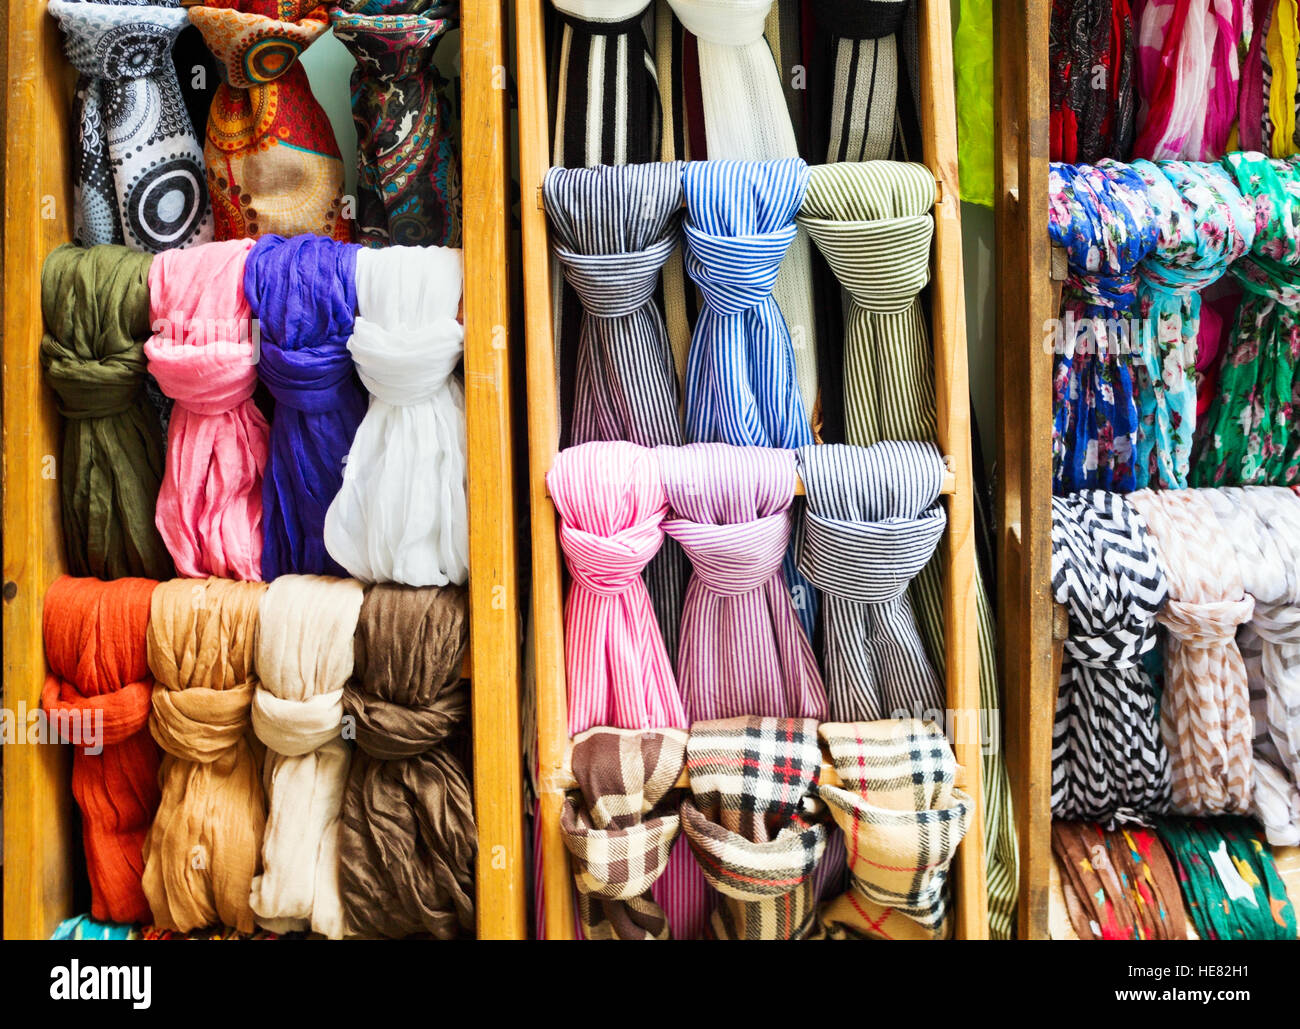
point(754, 825)
point(1102, 217)
point(1205, 704)
point(873, 522)
point(273, 165)
point(385, 524)
point(743, 649)
point(1263, 525)
point(1091, 115)
point(408, 174)
point(137, 165)
point(303, 293)
point(743, 115)
point(611, 506)
point(1248, 439)
point(407, 843)
point(619, 827)
point(97, 696)
point(209, 509)
point(1108, 759)
point(304, 656)
point(1176, 40)
point(1203, 225)
point(1281, 47)
point(96, 308)
point(1229, 880)
point(83, 927)
point(1119, 884)
point(612, 228)
point(903, 819)
point(202, 852)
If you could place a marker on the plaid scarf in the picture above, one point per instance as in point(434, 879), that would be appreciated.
point(621, 828)
point(901, 841)
point(752, 823)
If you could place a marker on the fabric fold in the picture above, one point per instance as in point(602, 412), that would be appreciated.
point(1092, 80)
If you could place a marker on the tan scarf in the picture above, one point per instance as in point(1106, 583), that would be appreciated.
point(202, 852)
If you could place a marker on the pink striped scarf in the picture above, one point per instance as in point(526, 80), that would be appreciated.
point(203, 354)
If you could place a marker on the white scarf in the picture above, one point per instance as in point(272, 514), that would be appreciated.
point(400, 515)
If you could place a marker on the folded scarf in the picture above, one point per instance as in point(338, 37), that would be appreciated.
point(408, 174)
point(96, 308)
point(386, 524)
point(302, 291)
point(611, 506)
point(202, 852)
point(619, 826)
point(273, 164)
point(209, 509)
point(1108, 758)
point(1205, 705)
point(902, 819)
point(754, 824)
point(97, 694)
point(407, 843)
point(304, 656)
point(137, 166)
point(1092, 117)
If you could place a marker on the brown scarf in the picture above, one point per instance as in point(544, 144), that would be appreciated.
point(202, 852)
point(407, 842)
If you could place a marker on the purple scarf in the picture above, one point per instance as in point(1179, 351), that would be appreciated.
point(303, 295)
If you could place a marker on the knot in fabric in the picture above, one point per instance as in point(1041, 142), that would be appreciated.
point(868, 562)
point(1206, 625)
point(734, 24)
point(118, 41)
point(608, 565)
point(736, 273)
point(1101, 216)
point(392, 46)
point(615, 285)
point(733, 560)
point(253, 49)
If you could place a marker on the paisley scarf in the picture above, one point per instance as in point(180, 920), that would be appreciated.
point(1091, 119)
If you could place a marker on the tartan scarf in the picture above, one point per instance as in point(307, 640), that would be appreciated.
point(408, 175)
point(619, 826)
point(1089, 123)
point(902, 819)
point(754, 824)
point(137, 164)
point(273, 163)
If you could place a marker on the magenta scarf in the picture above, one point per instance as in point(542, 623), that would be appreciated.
point(203, 354)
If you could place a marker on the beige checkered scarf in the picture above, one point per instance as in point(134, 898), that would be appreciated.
point(620, 825)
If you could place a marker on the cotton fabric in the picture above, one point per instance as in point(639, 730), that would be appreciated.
point(386, 524)
point(96, 308)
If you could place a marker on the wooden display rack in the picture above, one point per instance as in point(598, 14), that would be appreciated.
point(948, 317)
point(39, 813)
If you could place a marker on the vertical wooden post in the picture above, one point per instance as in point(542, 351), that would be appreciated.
point(493, 586)
point(1024, 380)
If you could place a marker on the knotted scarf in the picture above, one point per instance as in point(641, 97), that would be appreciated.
point(742, 649)
point(1263, 525)
point(619, 827)
point(744, 117)
point(303, 293)
point(1092, 79)
point(209, 509)
point(873, 522)
point(408, 174)
point(137, 165)
point(97, 697)
point(304, 656)
point(1229, 879)
point(859, 91)
point(1205, 704)
point(387, 524)
point(407, 842)
point(202, 852)
point(273, 165)
point(1204, 224)
point(611, 505)
point(1118, 884)
point(1248, 439)
point(96, 308)
point(1108, 759)
point(903, 819)
point(612, 228)
point(607, 107)
point(1102, 217)
point(754, 824)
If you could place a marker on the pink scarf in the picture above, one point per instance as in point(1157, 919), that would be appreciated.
point(203, 355)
